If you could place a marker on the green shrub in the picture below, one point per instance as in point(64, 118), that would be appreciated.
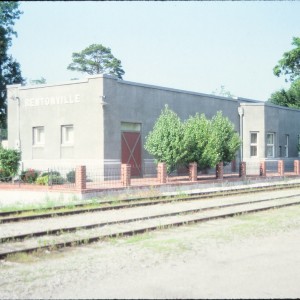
point(56, 179)
point(5, 176)
point(50, 173)
point(29, 176)
point(9, 163)
point(71, 176)
point(42, 180)
point(50, 179)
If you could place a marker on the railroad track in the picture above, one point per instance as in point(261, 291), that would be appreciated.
point(74, 228)
point(63, 210)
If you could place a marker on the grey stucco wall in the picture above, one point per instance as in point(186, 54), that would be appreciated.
point(76, 103)
point(138, 103)
point(266, 118)
point(282, 122)
point(253, 121)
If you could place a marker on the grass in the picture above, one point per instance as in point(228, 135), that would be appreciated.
point(25, 258)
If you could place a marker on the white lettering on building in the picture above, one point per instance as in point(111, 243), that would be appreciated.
point(57, 100)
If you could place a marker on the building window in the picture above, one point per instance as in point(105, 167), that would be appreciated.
point(253, 144)
point(38, 136)
point(286, 146)
point(270, 145)
point(132, 127)
point(67, 135)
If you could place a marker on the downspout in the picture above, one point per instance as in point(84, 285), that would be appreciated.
point(241, 114)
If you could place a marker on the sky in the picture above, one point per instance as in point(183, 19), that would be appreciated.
point(190, 45)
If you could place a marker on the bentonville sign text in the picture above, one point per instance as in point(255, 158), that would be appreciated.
point(54, 100)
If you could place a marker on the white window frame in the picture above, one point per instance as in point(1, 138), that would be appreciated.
point(270, 145)
point(286, 146)
point(38, 136)
point(253, 145)
point(67, 135)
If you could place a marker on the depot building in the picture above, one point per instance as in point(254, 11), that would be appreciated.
point(103, 121)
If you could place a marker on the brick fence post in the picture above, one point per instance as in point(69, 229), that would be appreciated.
point(193, 171)
point(297, 167)
point(219, 170)
point(80, 177)
point(125, 174)
point(263, 168)
point(242, 169)
point(162, 172)
point(280, 167)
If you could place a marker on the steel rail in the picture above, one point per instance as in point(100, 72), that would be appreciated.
point(140, 230)
point(132, 202)
point(60, 230)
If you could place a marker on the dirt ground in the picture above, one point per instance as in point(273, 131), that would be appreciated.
point(250, 256)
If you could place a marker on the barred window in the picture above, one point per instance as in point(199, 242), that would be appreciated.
point(270, 145)
point(38, 136)
point(253, 144)
point(67, 135)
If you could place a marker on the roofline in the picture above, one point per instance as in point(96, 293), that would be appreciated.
point(235, 99)
point(76, 81)
point(86, 79)
point(268, 104)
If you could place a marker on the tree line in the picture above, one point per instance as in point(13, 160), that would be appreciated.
point(198, 139)
point(289, 66)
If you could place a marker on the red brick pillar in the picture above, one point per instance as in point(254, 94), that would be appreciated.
point(162, 172)
point(193, 171)
point(297, 167)
point(219, 170)
point(263, 168)
point(125, 174)
point(280, 167)
point(242, 169)
point(80, 177)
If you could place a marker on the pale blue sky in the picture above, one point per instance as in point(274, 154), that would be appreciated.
point(196, 46)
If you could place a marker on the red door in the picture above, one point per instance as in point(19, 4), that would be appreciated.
point(131, 152)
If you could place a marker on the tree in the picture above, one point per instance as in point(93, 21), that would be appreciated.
point(9, 163)
point(223, 142)
point(9, 12)
point(196, 135)
point(10, 72)
point(289, 65)
point(164, 142)
point(96, 59)
point(206, 142)
point(223, 92)
point(288, 98)
point(41, 80)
